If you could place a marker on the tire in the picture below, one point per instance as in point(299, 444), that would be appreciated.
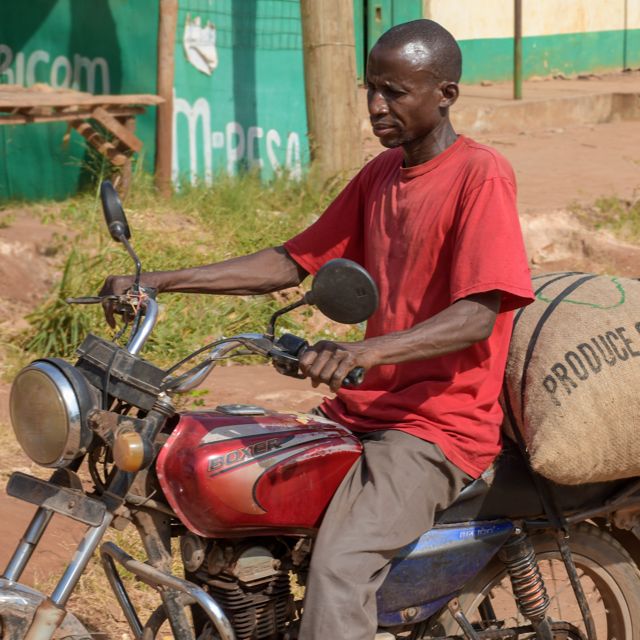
point(610, 579)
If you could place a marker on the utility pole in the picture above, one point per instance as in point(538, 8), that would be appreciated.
point(164, 119)
point(330, 87)
point(517, 50)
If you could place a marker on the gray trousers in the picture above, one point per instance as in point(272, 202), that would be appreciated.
point(387, 500)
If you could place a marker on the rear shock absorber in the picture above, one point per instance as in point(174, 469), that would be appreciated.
point(531, 596)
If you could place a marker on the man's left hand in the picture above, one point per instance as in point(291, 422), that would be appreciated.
point(330, 362)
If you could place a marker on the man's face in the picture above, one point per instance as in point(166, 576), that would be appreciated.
point(403, 95)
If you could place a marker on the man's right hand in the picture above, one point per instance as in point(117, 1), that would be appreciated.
point(114, 286)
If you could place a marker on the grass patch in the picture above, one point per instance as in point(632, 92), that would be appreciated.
point(616, 215)
point(197, 225)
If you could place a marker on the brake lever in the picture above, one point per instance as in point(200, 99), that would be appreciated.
point(90, 299)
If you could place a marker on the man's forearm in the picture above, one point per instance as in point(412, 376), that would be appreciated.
point(262, 272)
point(455, 328)
point(459, 326)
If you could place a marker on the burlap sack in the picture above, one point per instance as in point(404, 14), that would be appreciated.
point(573, 377)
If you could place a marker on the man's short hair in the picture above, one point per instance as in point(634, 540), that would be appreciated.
point(444, 55)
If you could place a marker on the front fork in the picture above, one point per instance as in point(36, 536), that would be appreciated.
point(51, 611)
point(27, 544)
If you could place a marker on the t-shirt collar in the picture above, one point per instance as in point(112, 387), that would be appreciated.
point(407, 173)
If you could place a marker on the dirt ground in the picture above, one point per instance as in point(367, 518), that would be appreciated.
point(555, 167)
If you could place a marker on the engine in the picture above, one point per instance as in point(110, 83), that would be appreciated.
point(250, 580)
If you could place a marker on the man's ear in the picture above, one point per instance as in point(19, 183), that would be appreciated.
point(450, 92)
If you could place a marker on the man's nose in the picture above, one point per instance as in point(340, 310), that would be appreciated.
point(376, 103)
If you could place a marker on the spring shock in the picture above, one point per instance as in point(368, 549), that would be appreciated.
point(528, 587)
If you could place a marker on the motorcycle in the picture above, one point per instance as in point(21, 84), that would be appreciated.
point(244, 490)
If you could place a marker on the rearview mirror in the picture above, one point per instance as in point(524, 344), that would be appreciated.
point(344, 292)
point(113, 212)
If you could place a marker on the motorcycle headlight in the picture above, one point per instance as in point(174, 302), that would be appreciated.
point(49, 404)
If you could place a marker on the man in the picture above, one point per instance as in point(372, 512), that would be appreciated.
point(434, 221)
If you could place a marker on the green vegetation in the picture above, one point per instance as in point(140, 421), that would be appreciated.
point(197, 225)
point(620, 217)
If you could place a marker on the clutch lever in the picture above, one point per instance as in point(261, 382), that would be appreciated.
point(89, 299)
point(122, 307)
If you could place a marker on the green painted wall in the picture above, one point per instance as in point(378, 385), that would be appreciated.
point(373, 17)
point(100, 46)
point(492, 58)
point(250, 111)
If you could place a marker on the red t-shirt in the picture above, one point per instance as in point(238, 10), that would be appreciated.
point(429, 235)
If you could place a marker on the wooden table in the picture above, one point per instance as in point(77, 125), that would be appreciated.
point(107, 122)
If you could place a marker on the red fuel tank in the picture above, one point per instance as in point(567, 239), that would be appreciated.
point(226, 475)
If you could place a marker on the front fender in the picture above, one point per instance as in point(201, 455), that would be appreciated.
point(17, 606)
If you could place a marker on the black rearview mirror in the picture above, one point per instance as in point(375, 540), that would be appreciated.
point(344, 292)
point(113, 212)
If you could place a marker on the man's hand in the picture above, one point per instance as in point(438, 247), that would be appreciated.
point(116, 286)
point(330, 362)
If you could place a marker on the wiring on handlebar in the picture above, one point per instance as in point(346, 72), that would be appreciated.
point(211, 345)
point(120, 333)
point(135, 298)
point(196, 353)
point(106, 380)
point(169, 384)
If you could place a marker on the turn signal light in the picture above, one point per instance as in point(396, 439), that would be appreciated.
point(130, 451)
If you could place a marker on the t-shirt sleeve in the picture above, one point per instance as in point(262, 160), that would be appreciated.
point(489, 251)
point(338, 232)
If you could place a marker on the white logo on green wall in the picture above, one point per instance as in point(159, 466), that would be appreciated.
point(60, 72)
point(232, 147)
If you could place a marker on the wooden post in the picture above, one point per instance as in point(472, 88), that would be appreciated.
point(517, 50)
point(164, 124)
point(331, 87)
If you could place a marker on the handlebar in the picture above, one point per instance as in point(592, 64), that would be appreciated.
point(285, 354)
point(139, 306)
point(354, 378)
point(139, 336)
point(218, 352)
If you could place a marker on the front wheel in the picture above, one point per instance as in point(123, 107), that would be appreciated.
point(609, 576)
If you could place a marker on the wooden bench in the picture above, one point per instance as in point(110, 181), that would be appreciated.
point(115, 114)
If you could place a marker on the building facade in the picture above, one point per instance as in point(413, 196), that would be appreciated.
point(239, 82)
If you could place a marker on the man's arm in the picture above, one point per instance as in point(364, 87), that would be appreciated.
point(455, 328)
point(262, 272)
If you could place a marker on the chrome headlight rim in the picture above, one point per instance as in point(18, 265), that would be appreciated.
point(77, 400)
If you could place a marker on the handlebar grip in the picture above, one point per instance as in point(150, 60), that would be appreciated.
point(295, 347)
point(354, 378)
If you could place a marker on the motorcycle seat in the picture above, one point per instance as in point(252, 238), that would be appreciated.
point(507, 490)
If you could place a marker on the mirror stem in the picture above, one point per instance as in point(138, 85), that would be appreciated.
point(271, 329)
point(136, 260)
point(136, 285)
